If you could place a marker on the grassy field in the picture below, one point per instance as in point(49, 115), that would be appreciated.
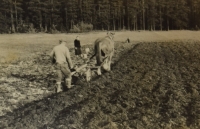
point(16, 46)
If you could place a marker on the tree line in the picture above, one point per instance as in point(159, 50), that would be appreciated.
point(84, 15)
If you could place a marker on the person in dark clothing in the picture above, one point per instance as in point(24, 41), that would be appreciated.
point(128, 40)
point(77, 46)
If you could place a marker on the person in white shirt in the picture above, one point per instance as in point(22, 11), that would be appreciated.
point(60, 56)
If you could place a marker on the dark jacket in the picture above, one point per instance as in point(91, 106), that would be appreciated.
point(77, 43)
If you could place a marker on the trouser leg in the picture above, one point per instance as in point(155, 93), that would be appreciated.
point(65, 70)
point(58, 79)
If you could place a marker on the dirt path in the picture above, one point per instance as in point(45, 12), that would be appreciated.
point(153, 85)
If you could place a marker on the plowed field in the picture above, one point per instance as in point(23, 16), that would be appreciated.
point(152, 85)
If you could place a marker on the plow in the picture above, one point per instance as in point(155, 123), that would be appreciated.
point(103, 47)
point(83, 70)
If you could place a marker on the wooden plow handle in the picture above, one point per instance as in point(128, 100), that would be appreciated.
point(79, 69)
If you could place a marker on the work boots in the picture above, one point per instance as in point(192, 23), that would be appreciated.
point(88, 75)
point(68, 82)
point(99, 71)
point(58, 87)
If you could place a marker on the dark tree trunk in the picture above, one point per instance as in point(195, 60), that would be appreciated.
point(16, 21)
point(12, 19)
point(40, 15)
point(128, 18)
point(167, 23)
point(66, 19)
point(143, 14)
point(113, 22)
point(160, 18)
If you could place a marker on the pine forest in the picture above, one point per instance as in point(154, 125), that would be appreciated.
point(51, 16)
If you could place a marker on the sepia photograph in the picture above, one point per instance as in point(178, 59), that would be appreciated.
point(99, 64)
